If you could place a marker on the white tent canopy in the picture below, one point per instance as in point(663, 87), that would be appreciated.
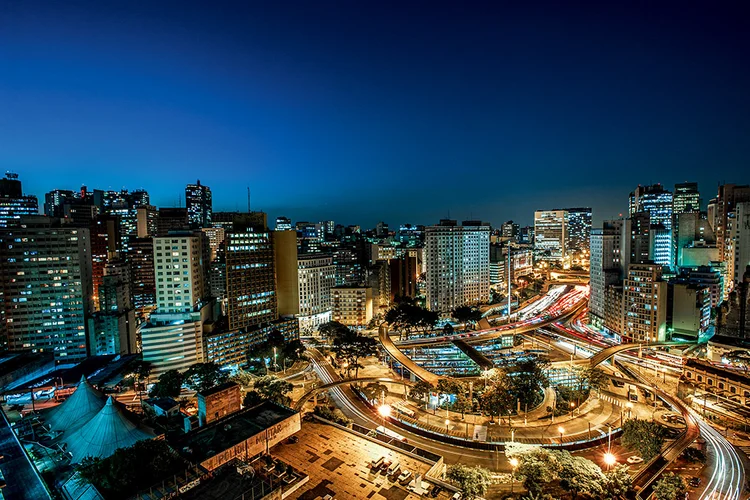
point(79, 408)
point(104, 434)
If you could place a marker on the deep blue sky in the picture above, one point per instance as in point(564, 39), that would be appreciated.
point(355, 111)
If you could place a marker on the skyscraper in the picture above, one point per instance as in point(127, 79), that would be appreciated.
point(251, 279)
point(199, 204)
point(657, 202)
point(13, 204)
point(550, 234)
point(686, 198)
point(316, 277)
point(180, 272)
point(45, 275)
point(644, 304)
point(606, 266)
point(457, 264)
point(143, 274)
point(579, 230)
point(283, 224)
point(726, 202)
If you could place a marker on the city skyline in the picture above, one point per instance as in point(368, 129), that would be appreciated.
point(448, 111)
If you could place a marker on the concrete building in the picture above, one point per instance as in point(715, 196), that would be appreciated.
point(216, 237)
point(692, 231)
point(741, 240)
point(457, 264)
point(147, 221)
point(112, 330)
point(218, 402)
point(45, 275)
point(143, 275)
point(578, 232)
point(287, 272)
point(605, 266)
point(251, 279)
point(13, 203)
point(686, 198)
point(232, 347)
point(404, 274)
point(199, 204)
point(316, 278)
point(171, 219)
point(728, 197)
point(550, 234)
point(710, 276)
point(657, 202)
point(614, 312)
point(689, 310)
point(283, 224)
point(180, 272)
point(352, 305)
point(509, 231)
point(644, 304)
point(379, 280)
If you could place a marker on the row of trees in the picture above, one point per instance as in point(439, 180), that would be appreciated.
point(199, 377)
point(408, 317)
point(350, 347)
point(541, 470)
point(276, 349)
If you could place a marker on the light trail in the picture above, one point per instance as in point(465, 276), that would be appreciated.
point(728, 476)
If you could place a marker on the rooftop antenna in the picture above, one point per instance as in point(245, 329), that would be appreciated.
point(248, 199)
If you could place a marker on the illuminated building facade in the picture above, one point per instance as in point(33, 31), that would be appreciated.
point(180, 274)
point(644, 304)
point(199, 205)
point(316, 277)
point(657, 203)
point(457, 264)
point(605, 266)
point(251, 285)
point(45, 275)
point(550, 234)
point(13, 204)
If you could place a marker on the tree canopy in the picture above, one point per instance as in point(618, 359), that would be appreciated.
point(269, 388)
point(350, 347)
point(644, 436)
point(409, 317)
point(168, 385)
point(670, 487)
point(472, 481)
point(466, 314)
point(204, 376)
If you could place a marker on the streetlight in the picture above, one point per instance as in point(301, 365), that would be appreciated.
point(385, 411)
point(609, 459)
point(447, 422)
point(629, 406)
point(275, 364)
point(561, 430)
point(513, 464)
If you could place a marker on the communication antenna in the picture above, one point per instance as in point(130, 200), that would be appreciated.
point(248, 199)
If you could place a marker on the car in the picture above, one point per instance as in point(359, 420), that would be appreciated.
point(635, 459)
point(292, 440)
point(694, 481)
point(376, 465)
point(436, 491)
point(405, 477)
point(393, 467)
point(384, 468)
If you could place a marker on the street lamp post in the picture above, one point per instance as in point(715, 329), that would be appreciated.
point(447, 423)
point(629, 406)
point(513, 464)
point(561, 430)
point(384, 411)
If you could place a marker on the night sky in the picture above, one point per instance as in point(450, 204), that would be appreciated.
point(357, 112)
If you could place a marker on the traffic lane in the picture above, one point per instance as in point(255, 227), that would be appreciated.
point(727, 478)
point(20, 475)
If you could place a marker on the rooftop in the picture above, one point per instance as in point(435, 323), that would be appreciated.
point(218, 388)
point(205, 442)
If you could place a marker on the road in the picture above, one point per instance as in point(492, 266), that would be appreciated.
point(727, 479)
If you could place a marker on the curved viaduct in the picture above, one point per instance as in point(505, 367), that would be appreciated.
point(310, 393)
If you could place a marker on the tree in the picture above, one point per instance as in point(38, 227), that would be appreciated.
point(472, 481)
point(374, 391)
point(466, 314)
point(580, 475)
point(617, 483)
point(204, 376)
point(331, 330)
point(496, 400)
point(590, 378)
point(141, 370)
point(644, 436)
point(243, 378)
point(293, 350)
point(350, 347)
point(421, 390)
point(270, 388)
point(461, 403)
point(169, 385)
point(670, 487)
point(408, 317)
point(448, 329)
point(536, 465)
point(528, 378)
point(129, 469)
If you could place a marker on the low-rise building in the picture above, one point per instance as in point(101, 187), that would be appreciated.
point(218, 402)
point(231, 347)
point(352, 305)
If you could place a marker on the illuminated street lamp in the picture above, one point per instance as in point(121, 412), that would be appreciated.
point(513, 464)
point(384, 411)
point(610, 460)
point(447, 423)
point(629, 406)
point(561, 430)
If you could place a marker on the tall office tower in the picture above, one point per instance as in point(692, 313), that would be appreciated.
point(217, 273)
point(352, 305)
point(283, 224)
point(328, 228)
point(404, 276)
point(251, 286)
point(142, 274)
point(526, 235)
point(286, 270)
point(138, 198)
point(112, 330)
point(726, 201)
point(180, 272)
point(712, 214)
point(457, 264)
point(550, 234)
point(695, 243)
point(171, 219)
point(316, 277)
point(199, 205)
point(55, 200)
point(216, 237)
point(606, 266)
point(741, 241)
point(688, 309)
point(636, 240)
point(509, 230)
point(349, 262)
point(128, 223)
point(381, 229)
point(147, 221)
point(657, 202)
point(578, 231)
point(13, 204)
point(379, 280)
point(686, 198)
point(45, 275)
point(644, 304)
point(105, 243)
point(309, 237)
point(411, 235)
